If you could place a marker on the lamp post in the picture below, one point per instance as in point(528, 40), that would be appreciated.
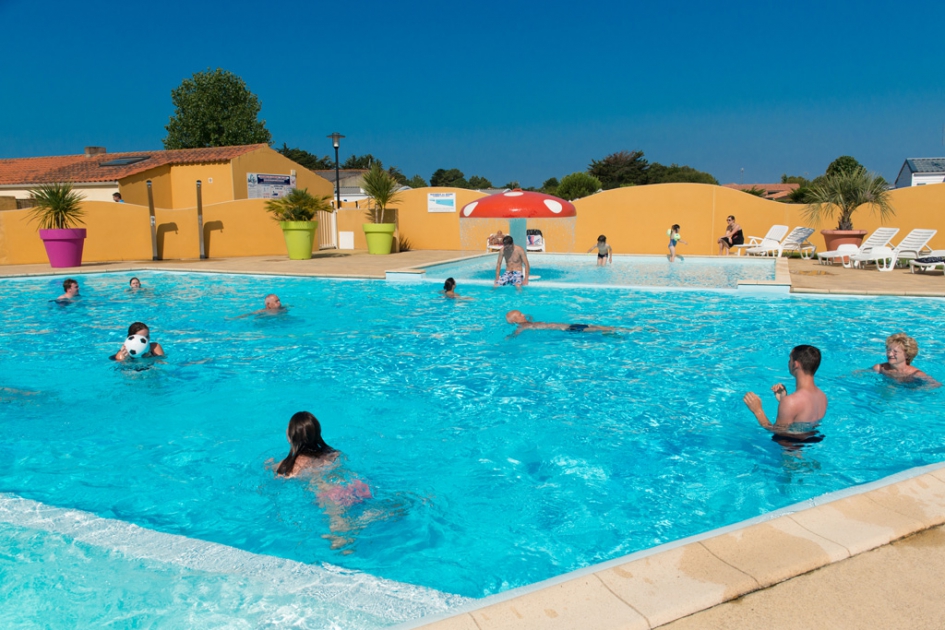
point(335, 137)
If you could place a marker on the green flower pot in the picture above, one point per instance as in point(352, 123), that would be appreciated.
point(299, 238)
point(380, 237)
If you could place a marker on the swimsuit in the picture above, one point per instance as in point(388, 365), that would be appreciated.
point(576, 328)
point(602, 255)
point(737, 238)
point(511, 277)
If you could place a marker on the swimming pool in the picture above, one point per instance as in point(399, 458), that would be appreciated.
point(495, 462)
point(724, 272)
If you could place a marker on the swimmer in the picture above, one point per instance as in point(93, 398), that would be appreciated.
point(525, 322)
point(134, 283)
point(901, 349)
point(138, 328)
point(273, 305)
point(71, 288)
point(798, 413)
point(516, 265)
point(308, 449)
point(449, 290)
point(674, 238)
point(605, 253)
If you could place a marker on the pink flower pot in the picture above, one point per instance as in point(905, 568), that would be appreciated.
point(64, 247)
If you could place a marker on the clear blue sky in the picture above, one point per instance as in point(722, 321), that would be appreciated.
point(506, 90)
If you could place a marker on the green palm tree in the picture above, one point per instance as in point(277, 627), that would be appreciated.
point(298, 205)
point(844, 192)
point(57, 206)
point(382, 189)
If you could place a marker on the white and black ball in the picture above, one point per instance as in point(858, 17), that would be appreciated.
point(137, 346)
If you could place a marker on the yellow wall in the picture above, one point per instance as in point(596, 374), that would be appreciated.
point(134, 189)
point(175, 186)
point(216, 184)
point(121, 231)
point(267, 160)
point(634, 219)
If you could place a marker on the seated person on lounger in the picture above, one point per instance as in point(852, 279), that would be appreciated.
point(901, 349)
point(733, 236)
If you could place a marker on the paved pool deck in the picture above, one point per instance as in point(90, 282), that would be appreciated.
point(869, 557)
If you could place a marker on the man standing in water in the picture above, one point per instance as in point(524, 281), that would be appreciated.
point(516, 265)
point(798, 413)
point(71, 288)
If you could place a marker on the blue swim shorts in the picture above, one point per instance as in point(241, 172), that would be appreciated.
point(511, 277)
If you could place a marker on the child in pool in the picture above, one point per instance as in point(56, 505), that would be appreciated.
point(138, 328)
point(674, 238)
point(449, 290)
point(604, 251)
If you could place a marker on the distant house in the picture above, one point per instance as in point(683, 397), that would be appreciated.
point(921, 171)
point(772, 191)
point(225, 173)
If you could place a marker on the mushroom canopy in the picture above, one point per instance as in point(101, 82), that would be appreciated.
point(518, 204)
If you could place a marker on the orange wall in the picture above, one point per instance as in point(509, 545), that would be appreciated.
point(267, 160)
point(634, 220)
point(216, 184)
point(134, 189)
point(121, 231)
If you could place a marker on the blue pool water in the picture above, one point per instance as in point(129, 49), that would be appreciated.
point(495, 461)
point(626, 271)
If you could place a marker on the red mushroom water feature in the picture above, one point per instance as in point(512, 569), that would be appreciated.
point(518, 206)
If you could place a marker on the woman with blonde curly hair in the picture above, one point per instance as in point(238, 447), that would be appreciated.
point(901, 349)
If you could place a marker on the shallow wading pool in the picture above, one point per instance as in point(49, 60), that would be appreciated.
point(568, 270)
point(137, 492)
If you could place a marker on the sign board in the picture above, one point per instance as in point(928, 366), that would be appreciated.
point(268, 186)
point(441, 202)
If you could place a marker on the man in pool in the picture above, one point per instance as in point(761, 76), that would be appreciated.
point(138, 328)
point(525, 323)
point(516, 265)
point(71, 288)
point(798, 413)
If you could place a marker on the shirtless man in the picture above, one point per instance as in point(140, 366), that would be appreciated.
point(71, 288)
point(901, 349)
point(525, 323)
point(798, 413)
point(515, 260)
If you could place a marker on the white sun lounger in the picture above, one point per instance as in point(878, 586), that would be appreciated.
point(910, 247)
point(774, 235)
point(929, 266)
point(796, 241)
point(879, 238)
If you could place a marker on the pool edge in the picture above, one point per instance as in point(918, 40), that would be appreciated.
point(653, 587)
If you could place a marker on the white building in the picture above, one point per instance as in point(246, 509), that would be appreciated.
point(921, 171)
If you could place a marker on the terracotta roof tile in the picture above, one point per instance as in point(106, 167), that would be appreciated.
point(82, 168)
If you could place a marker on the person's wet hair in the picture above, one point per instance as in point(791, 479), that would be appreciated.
point(675, 227)
point(909, 345)
point(508, 241)
point(808, 357)
point(137, 327)
point(601, 239)
point(449, 285)
point(131, 282)
point(68, 282)
point(305, 437)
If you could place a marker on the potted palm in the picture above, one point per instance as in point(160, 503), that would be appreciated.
point(843, 193)
point(382, 190)
point(296, 213)
point(59, 209)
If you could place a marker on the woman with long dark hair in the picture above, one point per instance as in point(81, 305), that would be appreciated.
point(308, 449)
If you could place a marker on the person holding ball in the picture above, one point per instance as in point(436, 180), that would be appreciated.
point(139, 338)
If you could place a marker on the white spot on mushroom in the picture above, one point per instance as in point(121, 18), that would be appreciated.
point(469, 208)
point(553, 205)
point(514, 193)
